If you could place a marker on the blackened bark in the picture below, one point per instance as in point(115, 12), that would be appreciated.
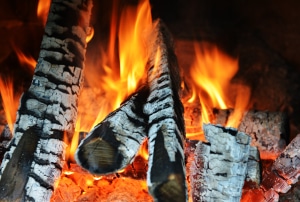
point(48, 109)
point(114, 142)
point(166, 172)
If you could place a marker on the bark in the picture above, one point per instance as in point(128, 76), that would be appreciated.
point(284, 172)
point(166, 167)
point(48, 108)
point(220, 166)
point(287, 165)
point(269, 130)
point(114, 142)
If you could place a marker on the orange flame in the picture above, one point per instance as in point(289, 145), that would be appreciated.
point(25, 60)
point(110, 80)
point(43, 10)
point(211, 74)
point(9, 102)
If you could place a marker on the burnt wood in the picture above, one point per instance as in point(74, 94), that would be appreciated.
point(166, 165)
point(220, 165)
point(114, 142)
point(48, 109)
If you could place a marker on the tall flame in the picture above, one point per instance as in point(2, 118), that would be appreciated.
point(9, 101)
point(211, 73)
point(111, 80)
point(43, 10)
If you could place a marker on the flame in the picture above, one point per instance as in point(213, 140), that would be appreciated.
point(90, 35)
point(43, 10)
point(211, 73)
point(9, 101)
point(25, 60)
point(109, 79)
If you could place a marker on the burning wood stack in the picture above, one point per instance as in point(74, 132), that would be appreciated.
point(217, 166)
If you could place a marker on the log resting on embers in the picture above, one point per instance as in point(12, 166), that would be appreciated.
point(220, 166)
point(113, 143)
point(48, 109)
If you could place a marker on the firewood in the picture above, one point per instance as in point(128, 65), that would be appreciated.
point(48, 108)
point(287, 164)
point(269, 130)
point(219, 169)
point(114, 142)
point(166, 167)
point(253, 173)
point(284, 172)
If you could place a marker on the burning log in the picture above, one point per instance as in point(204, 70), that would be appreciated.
point(269, 130)
point(48, 109)
point(166, 125)
point(220, 166)
point(285, 171)
point(114, 143)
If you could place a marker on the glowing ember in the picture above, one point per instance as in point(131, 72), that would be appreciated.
point(43, 10)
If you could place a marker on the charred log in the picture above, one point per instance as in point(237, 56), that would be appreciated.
point(269, 130)
point(114, 142)
point(166, 125)
point(220, 166)
point(48, 109)
point(284, 172)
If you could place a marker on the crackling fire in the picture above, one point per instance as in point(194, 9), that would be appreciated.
point(111, 80)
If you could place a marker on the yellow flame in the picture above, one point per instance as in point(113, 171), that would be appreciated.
point(211, 73)
point(109, 79)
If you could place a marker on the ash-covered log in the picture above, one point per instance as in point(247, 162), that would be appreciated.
point(220, 165)
point(284, 172)
point(269, 130)
point(166, 166)
point(114, 142)
point(48, 109)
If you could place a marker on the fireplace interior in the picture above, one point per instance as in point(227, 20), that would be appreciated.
point(264, 37)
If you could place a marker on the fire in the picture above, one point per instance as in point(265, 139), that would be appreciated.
point(25, 60)
point(9, 101)
point(211, 73)
point(110, 79)
point(43, 10)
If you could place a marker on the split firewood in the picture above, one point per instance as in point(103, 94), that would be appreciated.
point(269, 130)
point(114, 142)
point(287, 164)
point(253, 173)
point(48, 109)
point(285, 171)
point(166, 166)
point(220, 166)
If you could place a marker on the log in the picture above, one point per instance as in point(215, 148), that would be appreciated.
point(269, 130)
point(284, 172)
point(287, 164)
point(48, 109)
point(166, 165)
point(114, 142)
point(220, 166)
